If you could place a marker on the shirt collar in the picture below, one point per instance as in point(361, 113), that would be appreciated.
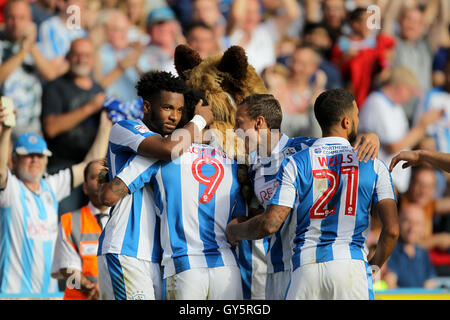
point(94, 210)
point(281, 144)
point(332, 140)
point(277, 149)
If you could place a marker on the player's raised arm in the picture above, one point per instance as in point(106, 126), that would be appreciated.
point(172, 146)
point(259, 226)
point(164, 104)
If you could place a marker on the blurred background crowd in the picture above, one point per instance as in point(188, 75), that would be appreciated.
point(392, 55)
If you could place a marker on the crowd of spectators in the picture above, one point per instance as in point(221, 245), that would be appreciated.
point(60, 60)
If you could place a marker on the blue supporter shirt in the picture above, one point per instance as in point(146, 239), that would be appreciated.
point(411, 272)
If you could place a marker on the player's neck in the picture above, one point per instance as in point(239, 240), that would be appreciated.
point(147, 121)
point(267, 142)
point(335, 133)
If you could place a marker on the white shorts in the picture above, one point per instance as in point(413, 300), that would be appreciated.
point(277, 284)
point(332, 280)
point(220, 283)
point(125, 278)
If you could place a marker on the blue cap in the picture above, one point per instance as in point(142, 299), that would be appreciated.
point(160, 14)
point(29, 143)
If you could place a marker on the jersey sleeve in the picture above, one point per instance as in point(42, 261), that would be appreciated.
point(137, 172)
point(60, 183)
point(286, 191)
point(65, 255)
point(128, 134)
point(384, 188)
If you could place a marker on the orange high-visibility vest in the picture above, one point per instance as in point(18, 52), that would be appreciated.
point(82, 231)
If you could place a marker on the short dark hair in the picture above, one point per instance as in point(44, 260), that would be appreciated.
point(264, 105)
point(150, 85)
point(356, 14)
point(331, 105)
point(310, 27)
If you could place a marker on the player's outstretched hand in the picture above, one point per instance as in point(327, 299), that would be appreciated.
point(411, 157)
point(205, 112)
point(368, 145)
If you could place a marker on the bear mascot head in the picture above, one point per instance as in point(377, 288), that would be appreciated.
point(225, 80)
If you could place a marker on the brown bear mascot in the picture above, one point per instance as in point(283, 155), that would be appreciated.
point(225, 81)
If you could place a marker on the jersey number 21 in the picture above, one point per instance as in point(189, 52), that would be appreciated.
point(319, 209)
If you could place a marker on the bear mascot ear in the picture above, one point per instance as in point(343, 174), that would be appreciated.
point(234, 61)
point(185, 58)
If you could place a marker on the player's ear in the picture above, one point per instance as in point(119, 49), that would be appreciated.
point(346, 123)
point(260, 121)
point(146, 106)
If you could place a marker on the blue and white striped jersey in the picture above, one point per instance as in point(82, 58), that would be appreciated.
point(271, 254)
point(331, 193)
point(196, 196)
point(133, 226)
point(28, 231)
point(124, 140)
point(263, 174)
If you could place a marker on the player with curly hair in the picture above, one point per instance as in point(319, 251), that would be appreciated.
point(129, 252)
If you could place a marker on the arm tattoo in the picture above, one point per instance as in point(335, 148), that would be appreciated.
point(118, 187)
point(275, 217)
point(265, 224)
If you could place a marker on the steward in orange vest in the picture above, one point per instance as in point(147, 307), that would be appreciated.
point(82, 231)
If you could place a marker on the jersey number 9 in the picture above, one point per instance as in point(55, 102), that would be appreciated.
point(211, 182)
